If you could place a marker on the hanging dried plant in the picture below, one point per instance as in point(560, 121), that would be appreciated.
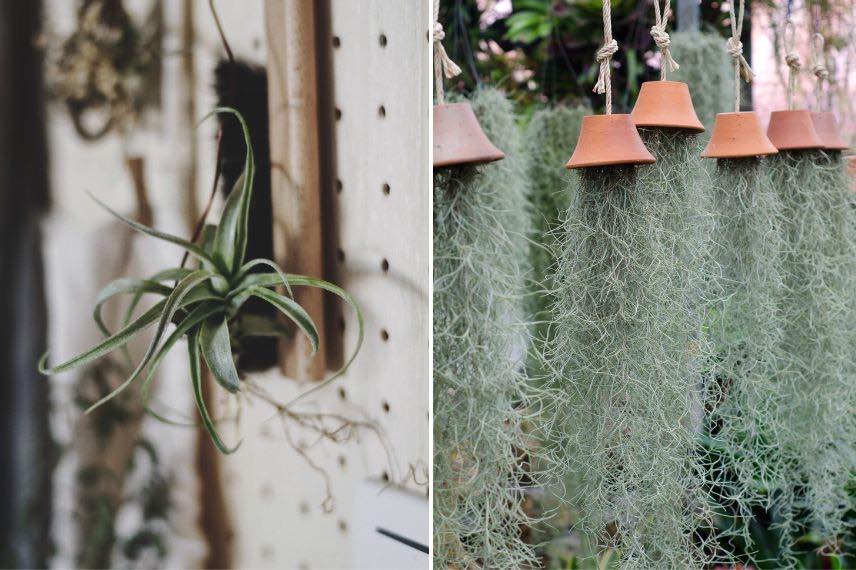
point(627, 429)
point(481, 400)
point(817, 376)
point(106, 70)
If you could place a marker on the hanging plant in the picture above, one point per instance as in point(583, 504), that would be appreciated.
point(742, 433)
point(204, 304)
point(106, 71)
point(818, 364)
point(481, 399)
point(625, 423)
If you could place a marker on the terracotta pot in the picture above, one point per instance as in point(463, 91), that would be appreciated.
point(666, 104)
point(459, 139)
point(607, 140)
point(793, 130)
point(738, 135)
point(826, 127)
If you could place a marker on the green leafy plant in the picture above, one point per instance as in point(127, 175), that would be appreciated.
point(204, 303)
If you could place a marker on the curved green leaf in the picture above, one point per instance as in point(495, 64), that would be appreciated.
point(192, 248)
point(196, 317)
point(125, 285)
point(230, 239)
point(108, 345)
point(217, 351)
point(272, 280)
point(292, 310)
point(196, 379)
point(245, 270)
point(171, 305)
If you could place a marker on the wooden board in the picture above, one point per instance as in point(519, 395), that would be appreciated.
point(380, 207)
point(295, 176)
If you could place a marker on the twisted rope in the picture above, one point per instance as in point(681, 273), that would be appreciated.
point(661, 38)
point(443, 64)
point(604, 57)
point(735, 50)
point(792, 59)
point(818, 67)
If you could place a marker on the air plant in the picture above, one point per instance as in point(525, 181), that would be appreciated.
point(745, 326)
point(818, 366)
point(204, 303)
point(627, 408)
point(481, 400)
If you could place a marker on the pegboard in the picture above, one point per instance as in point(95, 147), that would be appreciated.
point(380, 201)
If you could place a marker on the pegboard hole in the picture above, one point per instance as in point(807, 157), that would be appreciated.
point(343, 462)
point(381, 111)
point(343, 526)
point(267, 491)
point(385, 406)
point(384, 335)
point(384, 265)
point(340, 255)
point(338, 113)
point(338, 186)
point(267, 552)
point(382, 40)
point(386, 189)
point(384, 477)
point(342, 324)
point(336, 41)
point(303, 507)
point(342, 394)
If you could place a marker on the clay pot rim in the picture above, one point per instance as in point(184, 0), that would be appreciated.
point(806, 145)
point(767, 152)
point(837, 146)
point(487, 154)
point(595, 162)
point(698, 127)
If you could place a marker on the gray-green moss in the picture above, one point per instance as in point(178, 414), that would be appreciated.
point(628, 413)
point(481, 398)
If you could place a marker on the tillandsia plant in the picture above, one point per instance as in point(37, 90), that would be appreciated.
point(481, 400)
point(205, 303)
point(745, 324)
point(549, 135)
point(626, 422)
point(706, 69)
point(818, 369)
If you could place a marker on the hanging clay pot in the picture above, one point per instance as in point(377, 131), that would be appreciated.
point(793, 130)
point(608, 140)
point(737, 135)
point(666, 104)
point(459, 139)
point(826, 127)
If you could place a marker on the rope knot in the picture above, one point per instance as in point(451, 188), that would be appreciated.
point(792, 59)
point(819, 68)
point(448, 67)
point(735, 50)
point(439, 34)
point(603, 57)
point(662, 39)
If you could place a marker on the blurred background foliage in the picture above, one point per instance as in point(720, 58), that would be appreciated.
point(543, 51)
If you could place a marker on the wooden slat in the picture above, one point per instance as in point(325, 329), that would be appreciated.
point(295, 177)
